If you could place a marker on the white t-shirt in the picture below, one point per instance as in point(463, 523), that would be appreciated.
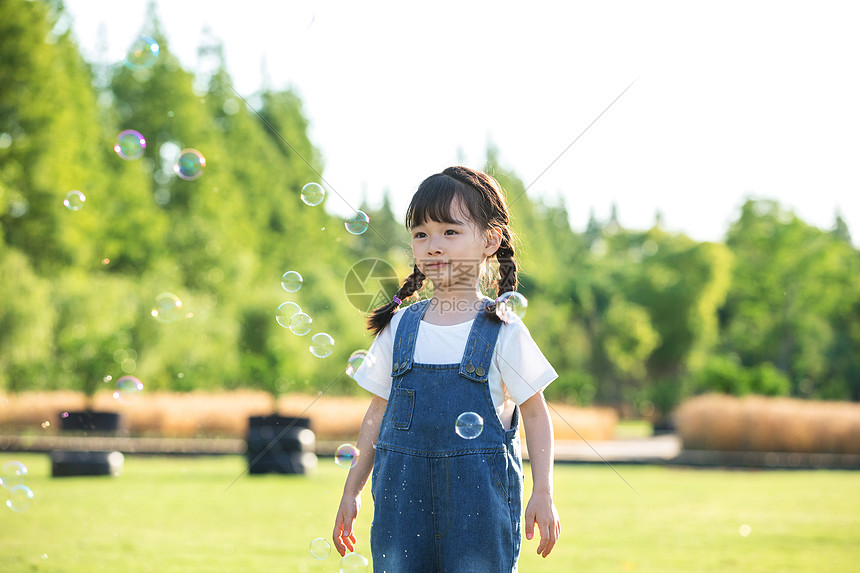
point(518, 369)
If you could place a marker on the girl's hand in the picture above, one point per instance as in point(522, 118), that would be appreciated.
point(541, 511)
point(343, 534)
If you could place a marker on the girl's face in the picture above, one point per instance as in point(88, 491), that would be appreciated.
point(451, 254)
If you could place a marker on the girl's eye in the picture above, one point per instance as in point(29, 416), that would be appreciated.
point(451, 231)
point(418, 235)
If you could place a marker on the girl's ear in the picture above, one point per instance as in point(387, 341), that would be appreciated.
point(492, 241)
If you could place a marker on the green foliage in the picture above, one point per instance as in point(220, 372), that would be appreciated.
point(630, 338)
point(95, 313)
point(49, 111)
point(26, 327)
point(626, 317)
point(794, 299)
point(388, 237)
point(725, 373)
point(768, 380)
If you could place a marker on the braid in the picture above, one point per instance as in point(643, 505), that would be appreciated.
point(507, 280)
point(379, 318)
point(507, 265)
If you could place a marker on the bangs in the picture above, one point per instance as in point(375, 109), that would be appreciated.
point(435, 201)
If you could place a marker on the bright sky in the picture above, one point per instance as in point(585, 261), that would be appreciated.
point(732, 98)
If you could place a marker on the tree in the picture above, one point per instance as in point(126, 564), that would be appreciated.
point(26, 327)
point(840, 228)
point(793, 299)
point(60, 260)
point(56, 144)
point(388, 238)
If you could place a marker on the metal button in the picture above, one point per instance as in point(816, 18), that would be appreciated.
point(470, 368)
point(395, 367)
point(479, 371)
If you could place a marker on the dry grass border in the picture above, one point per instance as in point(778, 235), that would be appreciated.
point(575, 423)
point(193, 414)
point(225, 414)
point(757, 423)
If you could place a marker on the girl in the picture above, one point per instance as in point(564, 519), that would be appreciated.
point(444, 502)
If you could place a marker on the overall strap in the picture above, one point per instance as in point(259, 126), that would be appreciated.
point(404, 338)
point(480, 345)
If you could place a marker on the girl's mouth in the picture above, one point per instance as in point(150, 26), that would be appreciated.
point(435, 265)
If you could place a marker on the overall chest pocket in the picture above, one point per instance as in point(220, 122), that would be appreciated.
point(402, 406)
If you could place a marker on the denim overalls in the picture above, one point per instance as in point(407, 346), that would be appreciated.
point(444, 503)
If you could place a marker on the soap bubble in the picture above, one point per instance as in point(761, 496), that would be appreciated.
point(291, 281)
point(744, 530)
point(320, 548)
point(300, 323)
point(469, 425)
point(142, 53)
point(18, 207)
point(130, 145)
point(511, 302)
point(167, 307)
point(353, 563)
point(285, 312)
point(12, 474)
point(354, 362)
point(346, 456)
point(357, 223)
point(127, 389)
point(231, 107)
point(74, 200)
point(313, 194)
point(322, 345)
point(189, 165)
point(20, 498)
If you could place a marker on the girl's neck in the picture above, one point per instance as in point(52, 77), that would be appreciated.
point(453, 306)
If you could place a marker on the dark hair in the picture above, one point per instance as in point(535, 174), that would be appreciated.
point(482, 197)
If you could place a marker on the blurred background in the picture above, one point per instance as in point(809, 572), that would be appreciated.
point(682, 180)
point(712, 289)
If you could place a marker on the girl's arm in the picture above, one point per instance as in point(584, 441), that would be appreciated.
point(540, 508)
point(343, 534)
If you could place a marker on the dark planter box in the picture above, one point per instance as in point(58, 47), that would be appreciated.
point(280, 444)
point(90, 421)
point(87, 463)
point(72, 463)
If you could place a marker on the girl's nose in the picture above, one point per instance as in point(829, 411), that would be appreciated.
point(433, 248)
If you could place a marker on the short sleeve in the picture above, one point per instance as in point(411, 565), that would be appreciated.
point(374, 374)
point(524, 369)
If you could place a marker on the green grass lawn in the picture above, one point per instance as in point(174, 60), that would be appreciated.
point(182, 515)
point(633, 429)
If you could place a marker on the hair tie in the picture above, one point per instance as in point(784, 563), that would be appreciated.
point(397, 300)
